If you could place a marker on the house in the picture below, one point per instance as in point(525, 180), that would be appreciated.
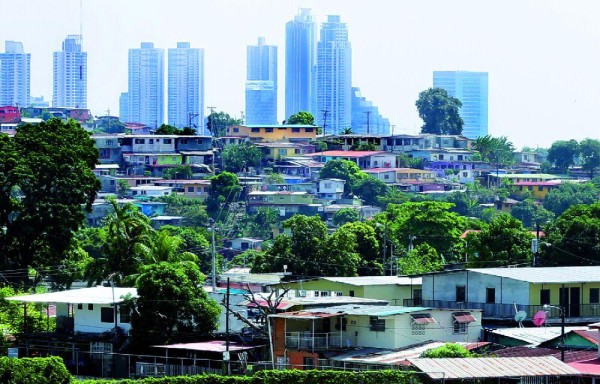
point(298, 166)
point(499, 292)
point(364, 159)
point(407, 175)
point(148, 191)
point(9, 114)
point(85, 310)
point(287, 203)
point(275, 133)
point(355, 141)
point(245, 244)
point(496, 180)
point(331, 189)
point(302, 338)
point(539, 189)
point(365, 212)
point(394, 289)
point(187, 188)
point(151, 208)
point(277, 151)
point(387, 175)
point(109, 148)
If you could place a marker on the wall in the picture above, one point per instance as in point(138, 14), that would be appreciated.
point(584, 290)
point(330, 286)
point(86, 320)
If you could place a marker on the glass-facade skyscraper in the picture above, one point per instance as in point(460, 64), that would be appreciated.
point(334, 77)
point(14, 75)
point(471, 88)
point(70, 74)
point(261, 84)
point(185, 103)
point(146, 85)
point(300, 64)
point(366, 118)
point(124, 107)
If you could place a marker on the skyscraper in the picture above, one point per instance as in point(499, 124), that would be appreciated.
point(124, 107)
point(300, 64)
point(186, 87)
point(471, 88)
point(14, 75)
point(334, 77)
point(70, 74)
point(146, 85)
point(261, 84)
point(366, 117)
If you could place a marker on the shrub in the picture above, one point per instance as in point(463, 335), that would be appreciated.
point(39, 370)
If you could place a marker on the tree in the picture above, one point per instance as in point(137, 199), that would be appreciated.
point(245, 259)
point(370, 189)
point(46, 177)
point(501, 243)
point(275, 178)
point(562, 154)
point(171, 305)
point(123, 188)
point(590, 155)
point(183, 171)
point(496, 150)
point(345, 170)
point(346, 131)
point(440, 112)
point(195, 241)
point(421, 259)
point(217, 123)
point(531, 213)
point(192, 210)
point(366, 246)
point(301, 118)
point(448, 350)
point(238, 157)
point(569, 194)
point(110, 125)
point(345, 215)
point(574, 237)
point(224, 189)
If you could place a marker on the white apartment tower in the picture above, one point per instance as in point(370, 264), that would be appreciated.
point(146, 85)
point(70, 74)
point(186, 87)
point(14, 75)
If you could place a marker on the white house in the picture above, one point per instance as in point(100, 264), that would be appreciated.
point(245, 243)
point(331, 189)
point(144, 191)
point(91, 309)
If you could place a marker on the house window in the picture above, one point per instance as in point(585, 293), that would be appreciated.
point(140, 141)
point(236, 130)
point(150, 141)
point(540, 188)
point(460, 293)
point(594, 295)
point(308, 130)
point(460, 325)
point(107, 315)
point(190, 189)
point(325, 293)
point(351, 294)
point(167, 141)
point(544, 296)
point(309, 362)
point(419, 322)
point(327, 185)
point(80, 306)
point(338, 293)
point(255, 130)
point(282, 151)
point(109, 142)
point(376, 324)
point(386, 177)
point(105, 153)
point(295, 130)
point(269, 130)
point(183, 141)
point(490, 295)
point(90, 307)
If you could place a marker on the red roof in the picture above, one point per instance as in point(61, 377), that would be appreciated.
point(464, 317)
point(346, 153)
point(264, 303)
point(588, 367)
point(570, 356)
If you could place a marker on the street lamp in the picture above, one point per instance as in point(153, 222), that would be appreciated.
point(562, 327)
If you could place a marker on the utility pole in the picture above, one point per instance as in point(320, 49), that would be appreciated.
point(368, 113)
point(214, 258)
point(325, 113)
point(227, 327)
point(211, 120)
point(191, 116)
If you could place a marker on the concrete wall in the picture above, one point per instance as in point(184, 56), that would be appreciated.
point(88, 320)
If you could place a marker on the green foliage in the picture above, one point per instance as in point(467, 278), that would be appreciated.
point(562, 154)
point(574, 237)
point(217, 123)
point(275, 178)
point(370, 189)
point(39, 370)
point(123, 188)
point(183, 171)
point(12, 319)
point(260, 224)
point(345, 215)
point(192, 210)
point(364, 147)
point(301, 118)
point(345, 170)
point(531, 213)
point(569, 194)
point(195, 240)
point(46, 177)
point(440, 112)
point(393, 196)
point(501, 243)
point(224, 189)
point(366, 245)
point(166, 129)
point(238, 157)
point(110, 125)
point(421, 259)
point(171, 305)
point(465, 204)
point(590, 155)
point(495, 150)
point(245, 259)
point(448, 350)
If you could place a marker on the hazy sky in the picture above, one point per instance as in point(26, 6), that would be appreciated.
point(542, 56)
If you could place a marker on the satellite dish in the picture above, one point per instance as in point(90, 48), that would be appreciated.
point(520, 316)
point(539, 318)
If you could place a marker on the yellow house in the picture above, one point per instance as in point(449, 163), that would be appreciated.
point(404, 175)
point(394, 289)
point(278, 151)
point(539, 189)
point(275, 133)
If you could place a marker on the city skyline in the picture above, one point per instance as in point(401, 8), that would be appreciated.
point(15, 75)
point(542, 69)
point(261, 83)
point(69, 85)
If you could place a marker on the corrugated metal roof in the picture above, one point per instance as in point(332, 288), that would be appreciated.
point(371, 310)
point(464, 317)
point(307, 315)
point(375, 280)
point(94, 295)
point(533, 336)
point(546, 275)
point(489, 367)
point(208, 346)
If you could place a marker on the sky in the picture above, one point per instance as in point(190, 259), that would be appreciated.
point(542, 56)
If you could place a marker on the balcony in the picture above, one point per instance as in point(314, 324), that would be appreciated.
point(314, 341)
point(494, 311)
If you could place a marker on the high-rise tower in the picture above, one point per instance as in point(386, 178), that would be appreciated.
point(146, 85)
point(334, 77)
point(300, 64)
point(70, 74)
point(186, 87)
point(261, 84)
point(471, 88)
point(14, 75)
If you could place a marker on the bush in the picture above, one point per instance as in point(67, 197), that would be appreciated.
point(447, 350)
point(39, 370)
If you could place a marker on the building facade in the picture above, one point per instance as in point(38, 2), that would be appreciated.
point(70, 74)
point(146, 85)
point(186, 87)
point(14, 75)
point(261, 84)
point(300, 64)
point(124, 107)
point(366, 117)
point(334, 77)
point(471, 88)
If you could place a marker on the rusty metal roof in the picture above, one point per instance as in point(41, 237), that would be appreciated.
point(303, 315)
point(489, 367)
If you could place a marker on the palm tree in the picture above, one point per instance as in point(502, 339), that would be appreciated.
point(346, 131)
